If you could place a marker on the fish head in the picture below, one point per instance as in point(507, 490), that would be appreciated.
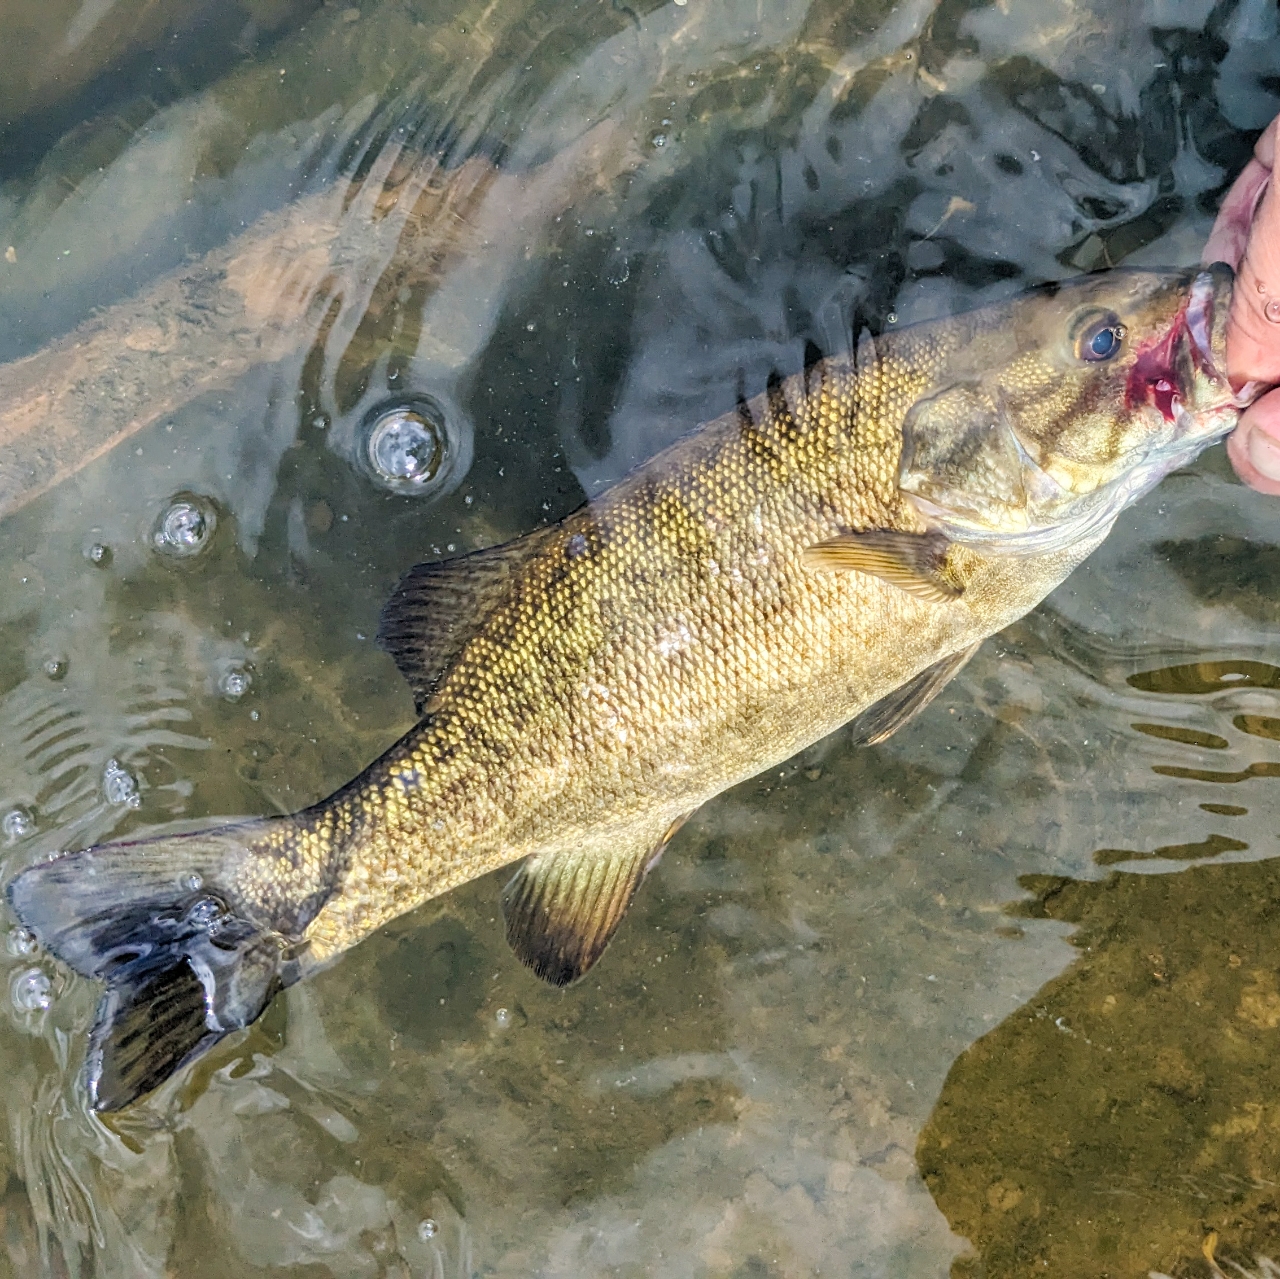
point(1067, 403)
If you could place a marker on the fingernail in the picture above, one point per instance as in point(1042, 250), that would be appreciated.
point(1264, 453)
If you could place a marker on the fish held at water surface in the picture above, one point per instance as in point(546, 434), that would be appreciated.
point(832, 550)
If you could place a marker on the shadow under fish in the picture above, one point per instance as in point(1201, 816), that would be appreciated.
point(833, 550)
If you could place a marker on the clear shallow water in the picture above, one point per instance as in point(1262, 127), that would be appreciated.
point(846, 1029)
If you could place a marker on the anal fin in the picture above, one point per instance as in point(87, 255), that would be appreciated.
point(883, 718)
point(915, 562)
point(561, 909)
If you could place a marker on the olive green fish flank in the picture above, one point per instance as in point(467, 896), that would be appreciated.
point(833, 550)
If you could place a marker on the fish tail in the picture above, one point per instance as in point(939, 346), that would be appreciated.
point(185, 959)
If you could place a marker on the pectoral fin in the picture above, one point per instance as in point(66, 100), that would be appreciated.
point(916, 562)
point(883, 718)
point(562, 909)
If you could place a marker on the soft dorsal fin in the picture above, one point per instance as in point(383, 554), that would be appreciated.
point(883, 718)
point(438, 606)
point(562, 909)
point(916, 562)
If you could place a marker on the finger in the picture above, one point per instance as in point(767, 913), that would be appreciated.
point(1230, 234)
point(1254, 446)
point(1230, 231)
point(1265, 149)
point(1253, 327)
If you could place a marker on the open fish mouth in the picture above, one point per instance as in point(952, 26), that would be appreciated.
point(1198, 321)
point(1182, 375)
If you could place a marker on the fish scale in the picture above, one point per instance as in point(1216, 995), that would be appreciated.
point(832, 550)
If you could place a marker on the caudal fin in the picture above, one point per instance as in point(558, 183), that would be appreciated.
point(184, 961)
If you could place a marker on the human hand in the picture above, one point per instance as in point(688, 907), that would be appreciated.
point(1247, 237)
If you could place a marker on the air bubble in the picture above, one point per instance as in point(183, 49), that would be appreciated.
point(98, 554)
point(17, 824)
point(405, 447)
point(659, 140)
point(1272, 310)
point(21, 942)
point(619, 269)
point(193, 883)
point(204, 914)
point(234, 683)
point(31, 991)
point(427, 1229)
point(185, 527)
point(55, 666)
point(119, 785)
point(503, 1018)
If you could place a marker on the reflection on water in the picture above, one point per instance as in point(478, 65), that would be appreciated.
point(377, 283)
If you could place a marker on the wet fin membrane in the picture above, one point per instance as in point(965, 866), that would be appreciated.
point(915, 562)
point(148, 1024)
point(883, 718)
point(182, 968)
point(561, 910)
point(437, 606)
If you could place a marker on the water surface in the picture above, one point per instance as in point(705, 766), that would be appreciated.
point(995, 998)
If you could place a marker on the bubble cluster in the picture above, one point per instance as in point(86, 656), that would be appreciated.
point(618, 270)
point(119, 785)
point(204, 914)
point(21, 942)
point(31, 991)
point(185, 527)
point(17, 824)
point(234, 683)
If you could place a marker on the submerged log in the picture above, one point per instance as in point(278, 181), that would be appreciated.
point(353, 251)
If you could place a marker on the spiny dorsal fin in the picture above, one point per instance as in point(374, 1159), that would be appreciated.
point(916, 562)
point(883, 718)
point(562, 909)
point(437, 607)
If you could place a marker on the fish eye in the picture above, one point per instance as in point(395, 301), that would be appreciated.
point(1100, 338)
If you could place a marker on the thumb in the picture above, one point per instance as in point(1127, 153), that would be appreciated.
point(1254, 446)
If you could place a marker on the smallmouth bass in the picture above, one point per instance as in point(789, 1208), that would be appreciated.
point(832, 550)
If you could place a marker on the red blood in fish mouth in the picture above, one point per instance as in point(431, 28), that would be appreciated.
point(1152, 379)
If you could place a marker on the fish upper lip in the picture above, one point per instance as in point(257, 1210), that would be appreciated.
point(1198, 322)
